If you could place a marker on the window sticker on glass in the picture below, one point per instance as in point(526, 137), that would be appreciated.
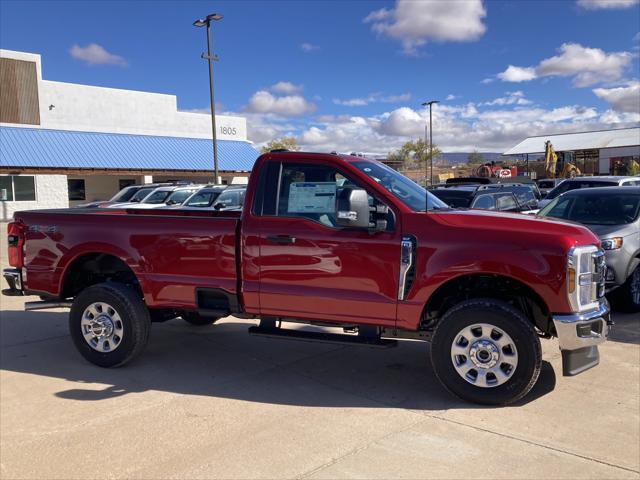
point(312, 197)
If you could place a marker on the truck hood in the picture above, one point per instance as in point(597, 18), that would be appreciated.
point(525, 227)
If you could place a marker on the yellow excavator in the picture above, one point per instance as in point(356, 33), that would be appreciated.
point(551, 160)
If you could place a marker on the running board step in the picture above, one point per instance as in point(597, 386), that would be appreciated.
point(323, 337)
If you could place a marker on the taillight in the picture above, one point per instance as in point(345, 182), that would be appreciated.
point(15, 241)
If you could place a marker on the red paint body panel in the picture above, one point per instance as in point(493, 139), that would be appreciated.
point(170, 255)
point(328, 274)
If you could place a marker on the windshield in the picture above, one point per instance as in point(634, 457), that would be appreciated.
point(124, 195)
point(202, 199)
point(157, 197)
point(595, 209)
point(404, 189)
point(140, 194)
point(179, 196)
point(231, 198)
point(566, 186)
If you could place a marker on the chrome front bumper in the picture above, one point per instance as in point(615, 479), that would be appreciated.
point(579, 335)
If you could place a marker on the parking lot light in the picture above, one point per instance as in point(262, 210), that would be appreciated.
point(206, 22)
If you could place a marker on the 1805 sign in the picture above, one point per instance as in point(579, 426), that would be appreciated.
point(228, 130)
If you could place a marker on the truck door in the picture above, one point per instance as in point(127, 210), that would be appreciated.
point(311, 268)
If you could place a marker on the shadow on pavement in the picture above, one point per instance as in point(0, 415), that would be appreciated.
point(224, 361)
point(626, 329)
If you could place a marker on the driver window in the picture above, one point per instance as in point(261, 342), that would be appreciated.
point(309, 191)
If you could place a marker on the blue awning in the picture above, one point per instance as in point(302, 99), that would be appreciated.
point(52, 149)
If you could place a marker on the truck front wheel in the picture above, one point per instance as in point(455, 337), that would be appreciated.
point(485, 351)
point(109, 324)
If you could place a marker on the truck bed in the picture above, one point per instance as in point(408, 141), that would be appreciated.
point(171, 253)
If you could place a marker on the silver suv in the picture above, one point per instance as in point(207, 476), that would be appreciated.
point(614, 215)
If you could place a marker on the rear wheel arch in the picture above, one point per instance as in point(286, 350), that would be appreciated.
point(92, 268)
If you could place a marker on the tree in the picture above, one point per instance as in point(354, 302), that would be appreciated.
point(414, 154)
point(475, 158)
point(286, 143)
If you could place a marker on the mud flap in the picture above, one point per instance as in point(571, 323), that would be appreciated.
point(577, 361)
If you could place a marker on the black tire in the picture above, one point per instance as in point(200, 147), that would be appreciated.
point(504, 317)
point(199, 320)
point(135, 322)
point(630, 301)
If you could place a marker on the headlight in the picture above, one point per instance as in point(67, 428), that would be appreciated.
point(585, 277)
point(612, 243)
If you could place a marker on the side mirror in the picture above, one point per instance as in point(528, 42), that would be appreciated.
point(219, 206)
point(352, 208)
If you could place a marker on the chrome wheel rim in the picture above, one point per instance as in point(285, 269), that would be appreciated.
point(635, 286)
point(102, 327)
point(484, 355)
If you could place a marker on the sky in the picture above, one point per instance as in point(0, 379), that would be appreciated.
point(352, 75)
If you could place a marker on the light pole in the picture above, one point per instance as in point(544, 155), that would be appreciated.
point(430, 103)
point(206, 22)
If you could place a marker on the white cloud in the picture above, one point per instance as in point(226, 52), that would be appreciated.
point(456, 127)
point(485, 81)
point(309, 47)
point(517, 74)
point(590, 65)
point(372, 98)
point(414, 23)
point(451, 96)
point(606, 4)
point(587, 65)
point(289, 105)
point(622, 99)
point(94, 54)
point(510, 98)
point(286, 87)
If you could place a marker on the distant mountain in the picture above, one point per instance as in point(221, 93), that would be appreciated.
point(454, 158)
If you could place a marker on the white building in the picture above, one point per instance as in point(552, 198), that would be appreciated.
point(603, 152)
point(62, 144)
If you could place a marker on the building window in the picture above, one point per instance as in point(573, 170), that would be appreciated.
point(17, 188)
point(125, 182)
point(76, 189)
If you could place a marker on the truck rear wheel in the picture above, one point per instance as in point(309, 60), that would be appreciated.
point(109, 324)
point(485, 351)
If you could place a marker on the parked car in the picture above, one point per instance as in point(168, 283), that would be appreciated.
point(492, 196)
point(519, 180)
point(547, 184)
point(125, 195)
point(377, 255)
point(589, 182)
point(201, 199)
point(613, 214)
point(160, 197)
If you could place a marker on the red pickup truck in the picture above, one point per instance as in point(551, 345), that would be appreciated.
point(328, 240)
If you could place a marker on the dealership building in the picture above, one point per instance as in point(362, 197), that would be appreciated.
point(63, 144)
point(602, 152)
